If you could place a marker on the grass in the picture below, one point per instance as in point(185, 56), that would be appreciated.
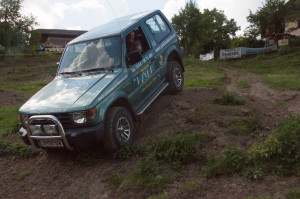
point(228, 99)
point(23, 174)
point(243, 85)
point(8, 120)
point(203, 74)
point(193, 186)
point(278, 71)
point(27, 74)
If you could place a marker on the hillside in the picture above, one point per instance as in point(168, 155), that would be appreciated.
point(200, 143)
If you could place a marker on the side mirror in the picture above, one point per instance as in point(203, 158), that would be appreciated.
point(134, 57)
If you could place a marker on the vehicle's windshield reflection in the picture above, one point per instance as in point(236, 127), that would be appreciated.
point(99, 54)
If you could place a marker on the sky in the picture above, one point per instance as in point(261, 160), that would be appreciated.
point(87, 14)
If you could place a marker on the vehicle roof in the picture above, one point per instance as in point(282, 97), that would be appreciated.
point(113, 27)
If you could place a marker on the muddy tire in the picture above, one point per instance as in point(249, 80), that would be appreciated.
point(174, 77)
point(118, 128)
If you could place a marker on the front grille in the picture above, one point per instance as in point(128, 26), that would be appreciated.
point(64, 118)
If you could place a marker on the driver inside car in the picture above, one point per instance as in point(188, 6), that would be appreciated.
point(132, 45)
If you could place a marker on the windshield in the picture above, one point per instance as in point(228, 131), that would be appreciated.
point(95, 54)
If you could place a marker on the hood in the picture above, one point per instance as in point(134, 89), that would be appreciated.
point(62, 94)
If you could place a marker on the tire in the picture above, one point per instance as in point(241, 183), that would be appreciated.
point(174, 77)
point(118, 128)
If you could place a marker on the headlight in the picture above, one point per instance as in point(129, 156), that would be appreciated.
point(36, 130)
point(24, 119)
point(81, 117)
point(50, 129)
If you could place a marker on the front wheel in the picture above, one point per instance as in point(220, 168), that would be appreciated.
point(174, 77)
point(118, 128)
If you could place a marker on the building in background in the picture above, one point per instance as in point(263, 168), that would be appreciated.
point(55, 40)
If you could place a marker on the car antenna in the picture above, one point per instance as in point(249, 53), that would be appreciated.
point(117, 18)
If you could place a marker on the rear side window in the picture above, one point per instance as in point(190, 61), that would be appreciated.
point(158, 27)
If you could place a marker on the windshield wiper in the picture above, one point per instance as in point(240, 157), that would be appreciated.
point(70, 73)
point(98, 69)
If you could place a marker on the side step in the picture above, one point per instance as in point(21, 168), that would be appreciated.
point(152, 98)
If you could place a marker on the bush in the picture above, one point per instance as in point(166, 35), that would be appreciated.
point(282, 147)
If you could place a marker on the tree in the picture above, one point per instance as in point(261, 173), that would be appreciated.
point(14, 28)
point(203, 32)
point(270, 20)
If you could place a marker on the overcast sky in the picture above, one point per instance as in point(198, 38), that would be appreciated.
point(87, 14)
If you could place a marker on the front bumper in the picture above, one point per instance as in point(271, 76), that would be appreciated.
point(76, 138)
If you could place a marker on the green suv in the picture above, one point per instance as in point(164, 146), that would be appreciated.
point(105, 79)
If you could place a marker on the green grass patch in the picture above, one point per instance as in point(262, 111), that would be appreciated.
point(293, 193)
point(228, 99)
point(23, 174)
point(243, 85)
point(249, 125)
point(192, 187)
point(28, 87)
point(278, 71)
point(9, 122)
point(114, 179)
point(28, 74)
point(203, 74)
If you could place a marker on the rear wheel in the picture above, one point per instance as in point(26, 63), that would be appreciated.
point(118, 128)
point(174, 77)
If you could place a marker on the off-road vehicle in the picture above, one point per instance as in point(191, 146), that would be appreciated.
point(100, 88)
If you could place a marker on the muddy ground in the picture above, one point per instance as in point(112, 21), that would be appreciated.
point(63, 174)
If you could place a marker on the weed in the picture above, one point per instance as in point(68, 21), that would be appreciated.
point(252, 173)
point(283, 50)
point(21, 150)
point(250, 125)
point(243, 85)
point(129, 150)
point(233, 158)
point(23, 174)
point(161, 196)
point(193, 186)
point(228, 99)
point(178, 150)
point(146, 175)
point(113, 179)
point(293, 193)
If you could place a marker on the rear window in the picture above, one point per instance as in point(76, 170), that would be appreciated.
point(158, 27)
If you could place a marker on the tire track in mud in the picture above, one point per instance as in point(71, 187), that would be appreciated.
point(288, 98)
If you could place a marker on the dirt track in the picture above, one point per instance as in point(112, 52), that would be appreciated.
point(82, 175)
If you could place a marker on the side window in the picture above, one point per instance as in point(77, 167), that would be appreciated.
point(158, 27)
point(136, 46)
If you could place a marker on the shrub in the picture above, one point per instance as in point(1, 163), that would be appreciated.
point(282, 147)
point(233, 158)
point(228, 99)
